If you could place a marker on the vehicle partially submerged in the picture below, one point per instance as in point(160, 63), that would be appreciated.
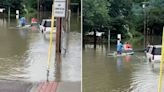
point(45, 28)
point(153, 53)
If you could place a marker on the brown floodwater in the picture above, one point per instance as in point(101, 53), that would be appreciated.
point(103, 73)
point(24, 54)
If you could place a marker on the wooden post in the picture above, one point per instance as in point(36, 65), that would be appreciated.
point(58, 38)
point(95, 38)
point(58, 49)
point(60, 31)
point(8, 15)
point(38, 9)
point(108, 41)
point(57, 34)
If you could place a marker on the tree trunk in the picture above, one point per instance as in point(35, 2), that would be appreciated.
point(95, 40)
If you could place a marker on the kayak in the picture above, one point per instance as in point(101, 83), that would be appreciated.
point(124, 53)
point(23, 27)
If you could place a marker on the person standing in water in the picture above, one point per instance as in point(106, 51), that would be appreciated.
point(119, 47)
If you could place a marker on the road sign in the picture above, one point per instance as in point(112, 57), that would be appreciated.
point(119, 36)
point(2, 9)
point(59, 8)
point(17, 14)
point(17, 11)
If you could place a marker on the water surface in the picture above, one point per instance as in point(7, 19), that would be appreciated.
point(102, 73)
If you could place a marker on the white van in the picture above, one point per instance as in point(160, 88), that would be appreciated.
point(153, 53)
point(46, 26)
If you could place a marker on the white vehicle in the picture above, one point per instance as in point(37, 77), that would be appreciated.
point(153, 53)
point(46, 26)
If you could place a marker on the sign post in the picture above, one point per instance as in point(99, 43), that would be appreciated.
point(59, 8)
point(17, 16)
point(1, 10)
point(59, 13)
point(118, 38)
point(108, 41)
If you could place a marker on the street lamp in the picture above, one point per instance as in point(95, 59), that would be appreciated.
point(145, 19)
point(143, 6)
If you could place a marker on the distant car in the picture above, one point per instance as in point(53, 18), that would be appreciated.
point(46, 26)
point(153, 53)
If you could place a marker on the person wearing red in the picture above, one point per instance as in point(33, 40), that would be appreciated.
point(33, 20)
point(127, 46)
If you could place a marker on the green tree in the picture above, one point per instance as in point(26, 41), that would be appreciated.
point(30, 8)
point(13, 4)
point(120, 13)
point(154, 16)
point(95, 14)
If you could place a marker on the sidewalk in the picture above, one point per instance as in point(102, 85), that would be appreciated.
point(47, 87)
point(69, 87)
point(57, 87)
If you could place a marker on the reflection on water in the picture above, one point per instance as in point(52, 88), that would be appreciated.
point(102, 73)
point(23, 55)
point(128, 58)
point(71, 65)
point(119, 63)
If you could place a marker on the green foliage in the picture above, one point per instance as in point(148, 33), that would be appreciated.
point(95, 14)
point(120, 13)
point(13, 4)
point(30, 8)
point(139, 1)
point(120, 8)
point(75, 1)
point(124, 12)
point(154, 16)
point(31, 4)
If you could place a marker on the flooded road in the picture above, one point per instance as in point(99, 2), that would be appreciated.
point(24, 55)
point(102, 73)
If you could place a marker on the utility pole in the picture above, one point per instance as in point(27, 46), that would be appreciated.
point(59, 9)
point(8, 15)
point(38, 9)
point(145, 22)
point(59, 13)
point(144, 5)
point(95, 38)
point(108, 41)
